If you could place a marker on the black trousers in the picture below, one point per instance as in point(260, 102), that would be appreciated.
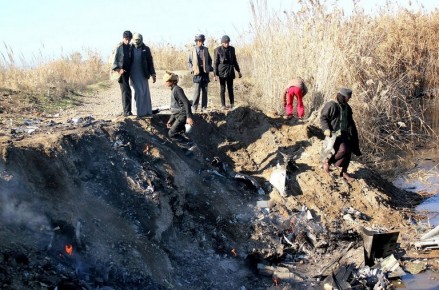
point(200, 88)
point(126, 93)
point(229, 83)
point(177, 127)
point(342, 156)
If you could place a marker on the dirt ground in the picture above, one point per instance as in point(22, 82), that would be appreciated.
point(139, 212)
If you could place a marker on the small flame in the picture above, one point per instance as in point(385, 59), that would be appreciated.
point(69, 249)
point(234, 252)
point(146, 149)
point(275, 281)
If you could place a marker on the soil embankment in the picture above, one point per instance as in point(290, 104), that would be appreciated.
point(140, 212)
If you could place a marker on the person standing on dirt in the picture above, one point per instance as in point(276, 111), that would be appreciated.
point(336, 121)
point(225, 65)
point(200, 64)
point(122, 65)
point(181, 114)
point(142, 68)
point(296, 88)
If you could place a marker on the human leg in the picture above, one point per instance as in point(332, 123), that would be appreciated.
point(289, 106)
point(300, 107)
point(177, 128)
point(342, 156)
point(126, 94)
point(223, 92)
point(196, 97)
point(204, 95)
point(229, 82)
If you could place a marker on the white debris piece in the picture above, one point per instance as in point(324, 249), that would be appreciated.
point(277, 179)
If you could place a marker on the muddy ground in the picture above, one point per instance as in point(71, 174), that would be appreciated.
point(92, 200)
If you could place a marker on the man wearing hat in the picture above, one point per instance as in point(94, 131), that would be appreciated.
point(336, 120)
point(200, 65)
point(225, 66)
point(181, 113)
point(142, 69)
point(122, 65)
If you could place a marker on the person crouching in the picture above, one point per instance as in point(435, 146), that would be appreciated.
point(181, 113)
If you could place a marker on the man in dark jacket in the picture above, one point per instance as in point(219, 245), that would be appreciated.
point(200, 65)
point(181, 114)
point(336, 120)
point(225, 65)
point(122, 65)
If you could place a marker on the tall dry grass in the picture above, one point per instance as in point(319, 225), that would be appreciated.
point(51, 78)
point(390, 60)
point(169, 57)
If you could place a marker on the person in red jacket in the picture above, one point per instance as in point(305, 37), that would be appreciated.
point(296, 88)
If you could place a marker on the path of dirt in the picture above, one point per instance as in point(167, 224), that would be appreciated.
point(142, 213)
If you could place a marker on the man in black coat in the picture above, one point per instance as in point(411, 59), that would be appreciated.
point(336, 120)
point(225, 65)
point(122, 64)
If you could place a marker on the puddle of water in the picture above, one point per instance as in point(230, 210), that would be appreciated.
point(424, 178)
point(426, 280)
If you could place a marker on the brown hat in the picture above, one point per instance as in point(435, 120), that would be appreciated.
point(170, 76)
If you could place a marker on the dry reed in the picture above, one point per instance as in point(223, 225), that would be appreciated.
point(51, 78)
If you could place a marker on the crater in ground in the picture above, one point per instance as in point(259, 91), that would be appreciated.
point(140, 212)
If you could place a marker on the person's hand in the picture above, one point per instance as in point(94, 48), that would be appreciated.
point(327, 133)
point(169, 125)
point(214, 78)
point(121, 71)
point(154, 78)
point(189, 121)
point(240, 75)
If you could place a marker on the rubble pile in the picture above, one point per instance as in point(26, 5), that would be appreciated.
point(116, 205)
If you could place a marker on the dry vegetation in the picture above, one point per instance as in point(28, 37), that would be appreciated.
point(390, 60)
point(52, 79)
point(168, 57)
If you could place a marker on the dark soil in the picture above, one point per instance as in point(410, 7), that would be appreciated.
point(140, 212)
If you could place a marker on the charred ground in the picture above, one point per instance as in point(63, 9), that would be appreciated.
point(143, 213)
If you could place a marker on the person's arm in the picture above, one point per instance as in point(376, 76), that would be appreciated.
point(115, 66)
point(186, 104)
point(326, 116)
point(209, 61)
point(217, 61)
point(190, 64)
point(150, 62)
